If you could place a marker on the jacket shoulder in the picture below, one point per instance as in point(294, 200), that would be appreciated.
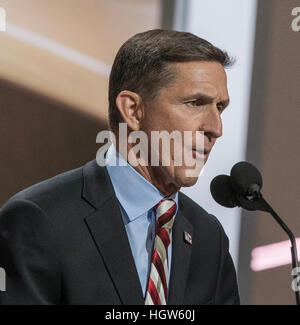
point(51, 192)
point(196, 214)
point(55, 183)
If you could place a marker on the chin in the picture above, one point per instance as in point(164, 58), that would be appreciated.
point(185, 181)
point(189, 181)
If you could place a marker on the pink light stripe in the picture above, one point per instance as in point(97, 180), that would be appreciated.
point(273, 255)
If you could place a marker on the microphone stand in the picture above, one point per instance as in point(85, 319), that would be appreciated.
point(257, 198)
point(294, 254)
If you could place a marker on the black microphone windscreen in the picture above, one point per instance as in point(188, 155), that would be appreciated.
point(222, 192)
point(243, 175)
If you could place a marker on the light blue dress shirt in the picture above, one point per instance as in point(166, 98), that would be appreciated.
point(136, 197)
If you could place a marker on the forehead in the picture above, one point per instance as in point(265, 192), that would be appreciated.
point(199, 76)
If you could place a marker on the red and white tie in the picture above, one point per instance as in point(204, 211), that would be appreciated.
point(157, 290)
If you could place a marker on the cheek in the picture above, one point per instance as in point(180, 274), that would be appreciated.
point(160, 120)
point(170, 118)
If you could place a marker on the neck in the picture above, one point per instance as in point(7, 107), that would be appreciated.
point(156, 175)
point(158, 178)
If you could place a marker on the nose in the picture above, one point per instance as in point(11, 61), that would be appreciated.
point(213, 124)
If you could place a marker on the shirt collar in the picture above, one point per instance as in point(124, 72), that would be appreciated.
point(135, 194)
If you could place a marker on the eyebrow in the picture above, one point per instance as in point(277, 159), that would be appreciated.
point(206, 99)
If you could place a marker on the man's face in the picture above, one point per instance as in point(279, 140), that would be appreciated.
point(193, 102)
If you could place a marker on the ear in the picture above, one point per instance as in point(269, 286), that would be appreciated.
point(130, 106)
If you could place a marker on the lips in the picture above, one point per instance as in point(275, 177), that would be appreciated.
point(201, 151)
point(201, 154)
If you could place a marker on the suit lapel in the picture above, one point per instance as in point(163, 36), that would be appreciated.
point(107, 229)
point(181, 254)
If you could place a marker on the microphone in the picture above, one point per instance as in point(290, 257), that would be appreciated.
point(243, 188)
point(246, 180)
point(222, 192)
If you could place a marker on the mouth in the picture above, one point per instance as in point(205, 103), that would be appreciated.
point(200, 153)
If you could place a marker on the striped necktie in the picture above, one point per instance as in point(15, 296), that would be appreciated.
point(157, 290)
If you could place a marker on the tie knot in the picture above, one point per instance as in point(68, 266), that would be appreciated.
point(165, 212)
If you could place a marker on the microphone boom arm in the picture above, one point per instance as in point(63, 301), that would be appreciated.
point(266, 207)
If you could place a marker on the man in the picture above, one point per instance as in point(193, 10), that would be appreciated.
point(125, 234)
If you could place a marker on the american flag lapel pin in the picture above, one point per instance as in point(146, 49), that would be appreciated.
point(188, 237)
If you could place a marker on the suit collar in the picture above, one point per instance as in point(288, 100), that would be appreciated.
point(97, 187)
point(108, 232)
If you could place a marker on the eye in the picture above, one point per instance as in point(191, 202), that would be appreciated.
point(220, 107)
point(195, 103)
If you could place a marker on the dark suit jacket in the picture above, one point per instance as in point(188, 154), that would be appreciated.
point(63, 241)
